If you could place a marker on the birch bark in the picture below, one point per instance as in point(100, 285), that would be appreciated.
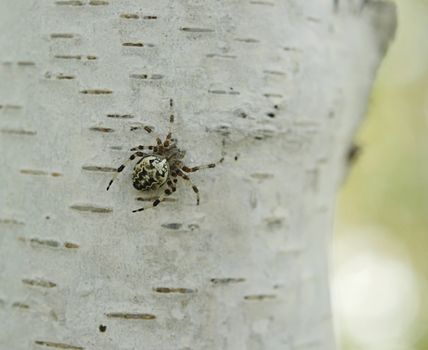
point(283, 84)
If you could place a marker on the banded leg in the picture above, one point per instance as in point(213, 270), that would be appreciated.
point(170, 190)
point(119, 170)
point(147, 128)
point(152, 198)
point(200, 167)
point(141, 147)
point(168, 141)
point(194, 188)
point(171, 116)
point(168, 138)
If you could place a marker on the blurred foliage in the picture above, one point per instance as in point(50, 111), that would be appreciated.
point(388, 184)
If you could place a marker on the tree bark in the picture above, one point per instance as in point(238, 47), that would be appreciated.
point(278, 87)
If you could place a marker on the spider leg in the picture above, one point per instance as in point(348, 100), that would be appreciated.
point(168, 141)
point(171, 189)
point(200, 167)
point(171, 117)
point(168, 138)
point(119, 170)
point(152, 198)
point(147, 128)
point(141, 147)
point(194, 188)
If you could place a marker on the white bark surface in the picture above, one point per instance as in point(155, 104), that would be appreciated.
point(284, 83)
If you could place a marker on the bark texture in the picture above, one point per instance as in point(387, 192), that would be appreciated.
point(283, 84)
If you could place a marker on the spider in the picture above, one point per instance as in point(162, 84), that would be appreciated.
point(160, 165)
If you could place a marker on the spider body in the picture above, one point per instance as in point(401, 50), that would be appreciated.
point(160, 165)
point(150, 173)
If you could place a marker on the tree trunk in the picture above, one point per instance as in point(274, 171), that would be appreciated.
point(277, 87)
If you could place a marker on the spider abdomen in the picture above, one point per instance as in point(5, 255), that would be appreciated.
point(150, 173)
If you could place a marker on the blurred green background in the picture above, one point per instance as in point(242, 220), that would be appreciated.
point(380, 279)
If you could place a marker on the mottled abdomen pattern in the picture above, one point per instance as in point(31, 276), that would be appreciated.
point(150, 173)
